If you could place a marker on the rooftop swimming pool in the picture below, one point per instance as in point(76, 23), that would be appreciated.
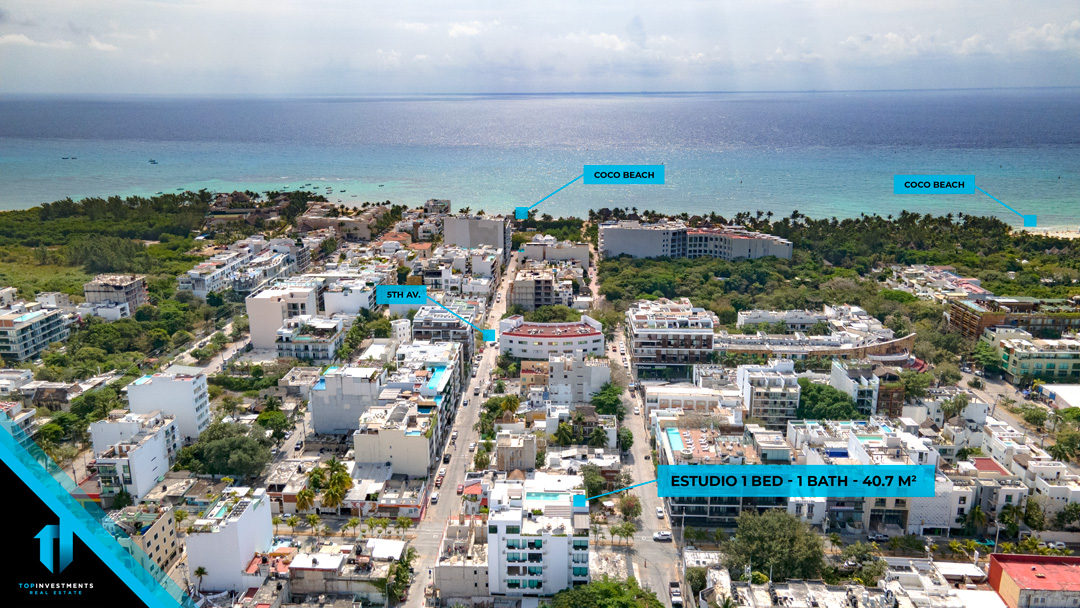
point(675, 439)
point(545, 496)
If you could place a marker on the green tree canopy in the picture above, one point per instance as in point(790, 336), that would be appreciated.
point(775, 540)
point(823, 402)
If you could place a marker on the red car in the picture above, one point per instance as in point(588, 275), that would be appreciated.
point(460, 488)
point(438, 482)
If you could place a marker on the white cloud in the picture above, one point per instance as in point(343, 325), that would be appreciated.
point(470, 28)
point(412, 26)
point(975, 45)
point(1049, 37)
point(387, 59)
point(890, 44)
point(24, 40)
point(98, 45)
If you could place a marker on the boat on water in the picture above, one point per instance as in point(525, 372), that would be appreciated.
point(381, 185)
point(66, 158)
point(153, 162)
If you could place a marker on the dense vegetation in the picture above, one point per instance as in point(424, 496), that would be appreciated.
point(227, 449)
point(823, 402)
point(774, 542)
point(607, 593)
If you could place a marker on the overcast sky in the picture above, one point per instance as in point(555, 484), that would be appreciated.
point(330, 47)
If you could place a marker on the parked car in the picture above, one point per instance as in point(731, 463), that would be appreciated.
point(434, 497)
point(877, 538)
point(472, 447)
point(460, 488)
point(659, 513)
point(661, 536)
point(637, 410)
point(442, 472)
point(1059, 546)
point(446, 458)
point(298, 447)
point(476, 391)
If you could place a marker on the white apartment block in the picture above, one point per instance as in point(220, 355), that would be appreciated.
point(483, 261)
point(796, 320)
point(548, 248)
point(22, 418)
point(309, 338)
point(437, 324)
point(228, 536)
point(434, 372)
point(770, 392)
point(350, 296)
point(181, 396)
point(401, 433)
point(476, 231)
point(28, 328)
point(677, 240)
point(684, 396)
point(216, 273)
point(132, 451)
point(341, 395)
point(537, 554)
point(541, 340)
point(268, 309)
point(11, 380)
point(1022, 356)
point(858, 382)
point(665, 333)
point(575, 378)
point(401, 331)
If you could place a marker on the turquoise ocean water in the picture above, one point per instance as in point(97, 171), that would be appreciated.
point(823, 154)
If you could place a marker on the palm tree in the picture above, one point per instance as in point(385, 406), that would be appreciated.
point(292, 522)
point(305, 499)
point(727, 602)
point(341, 480)
point(598, 438)
point(180, 516)
point(370, 523)
point(836, 541)
point(955, 547)
point(313, 521)
point(382, 523)
point(403, 524)
point(276, 520)
point(352, 524)
point(1011, 516)
point(334, 466)
point(333, 496)
point(976, 519)
point(200, 572)
point(564, 435)
point(1060, 451)
point(316, 478)
point(690, 534)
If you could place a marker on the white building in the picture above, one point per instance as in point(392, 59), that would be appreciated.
point(401, 331)
point(216, 274)
point(11, 380)
point(858, 382)
point(770, 392)
point(575, 378)
point(181, 396)
point(545, 553)
point(129, 289)
point(669, 333)
point(677, 240)
point(341, 395)
point(437, 324)
point(400, 433)
point(133, 450)
point(541, 340)
point(544, 248)
point(682, 395)
point(268, 309)
point(796, 320)
point(350, 296)
point(228, 535)
point(28, 328)
point(433, 372)
point(465, 231)
point(310, 338)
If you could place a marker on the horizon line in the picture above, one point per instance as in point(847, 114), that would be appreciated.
point(14, 95)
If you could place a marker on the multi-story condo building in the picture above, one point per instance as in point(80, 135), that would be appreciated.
point(681, 395)
point(308, 338)
point(11, 380)
point(770, 392)
point(1024, 357)
point(937, 283)
point(27, 329)
point(341, 395)
point(475, 231)
point(514, 451)
point(228, 535)
point(669, 334)
point(437, 206)
point(268, 309)
point(545, 553)
point(536, 287)
point(676, 240)
point(541, 340)
point(575, 378)
point(132, 451)
point(858, 382)
point(795, 320)
point(129, 289)
point(434, 372)
point(263, 267)
point(152, 530)
point(181, 396)
point(215, 274)
point(400, 433)
point(350, 296)
point(1043, 317)
point(437, 324)
point(355, 227)
point(22, 418)
point(401, 330)
point(547, 248)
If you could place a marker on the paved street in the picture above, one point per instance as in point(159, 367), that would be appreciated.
point(429, 532)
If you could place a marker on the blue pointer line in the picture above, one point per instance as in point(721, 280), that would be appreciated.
point(455, 314)
point(1002, 204)
point(623, 489)
point(557, 191)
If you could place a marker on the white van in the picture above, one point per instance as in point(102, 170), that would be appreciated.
point(434, 497)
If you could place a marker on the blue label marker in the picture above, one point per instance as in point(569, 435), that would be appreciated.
point(769, 480)
point(401, 294)
point(1029, 221)
point(521, 213)
point(933, 184)
point(624, 174)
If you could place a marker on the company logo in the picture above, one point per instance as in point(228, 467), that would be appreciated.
point(47, 538)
